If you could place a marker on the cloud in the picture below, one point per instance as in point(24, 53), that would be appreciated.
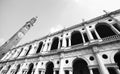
point(2, 41)
point(56, 28)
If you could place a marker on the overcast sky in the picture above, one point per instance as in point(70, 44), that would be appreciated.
point(52, 15)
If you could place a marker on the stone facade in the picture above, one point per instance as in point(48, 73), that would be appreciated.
point(91, 47)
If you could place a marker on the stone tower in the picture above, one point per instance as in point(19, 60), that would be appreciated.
point(15, 39)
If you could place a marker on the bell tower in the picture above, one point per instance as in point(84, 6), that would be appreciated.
point(15, 39)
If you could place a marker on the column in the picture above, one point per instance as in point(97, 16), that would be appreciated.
point(2, 69)
point(83, 38)
point(61, 71)
point(37, 69)
point(49, 47)
point(116, 20)
point(42, 47)
point(12, 67)
point(32, 50)
point(97, 35)
point(42, 72)
point(69, 41)
point(10, 55)
point(45, 47)
point(70, 72)
point(117, 70)
point(23, 52)
point(33, 71)
point(54, 72)
point(113, 28)
point(26, 72)
point(21, 68)
point(102, 67)
point(17, 53)
point(6, 55)
point(91, 72)
point(88, 33)
point(64, 41)
point(59, 43)
point(14, 55)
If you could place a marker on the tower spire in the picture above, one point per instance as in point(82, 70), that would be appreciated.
point(15, 39)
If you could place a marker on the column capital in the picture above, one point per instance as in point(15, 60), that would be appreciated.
point(95, 49)
point(61, 55)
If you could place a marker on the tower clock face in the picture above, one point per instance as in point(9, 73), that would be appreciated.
point(20, 34)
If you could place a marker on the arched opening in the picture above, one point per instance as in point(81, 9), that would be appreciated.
point(40, 46)
point(30, 68)
point(18, 67)
point(117, 59)
point(80, 66)
point(55, 43)
point(76, 38)
point(28, 50)
point(49, 68)
point(104, 30)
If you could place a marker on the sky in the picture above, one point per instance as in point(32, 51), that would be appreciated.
point(53, 15)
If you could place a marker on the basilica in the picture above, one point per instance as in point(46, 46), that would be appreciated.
point(90, 47)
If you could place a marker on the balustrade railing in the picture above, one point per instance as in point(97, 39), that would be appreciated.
point(111, 38)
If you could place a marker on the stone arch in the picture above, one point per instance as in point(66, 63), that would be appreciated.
point(49, 68)
point(76, 38)
point(31, 65)
point(80, 66)
point(39, 47)
point(117, 59)
point(17, 69)
point(55, 43)
point(104, 29)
